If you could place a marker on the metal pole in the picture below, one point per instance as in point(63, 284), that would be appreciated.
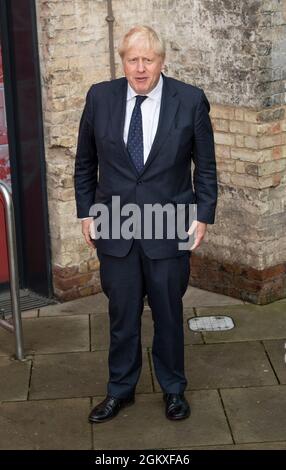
point(13, 269)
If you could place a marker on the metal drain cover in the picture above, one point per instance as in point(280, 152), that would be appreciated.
point(28, 301)
point(212, 323)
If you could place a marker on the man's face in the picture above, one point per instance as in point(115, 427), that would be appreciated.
point(142, 68)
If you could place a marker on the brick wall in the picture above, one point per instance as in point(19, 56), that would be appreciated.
point(236, 52)
point(248, 239)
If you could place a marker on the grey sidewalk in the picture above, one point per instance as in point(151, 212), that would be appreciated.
point(237, 381)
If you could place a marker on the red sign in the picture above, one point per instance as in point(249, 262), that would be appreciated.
point(4, 176)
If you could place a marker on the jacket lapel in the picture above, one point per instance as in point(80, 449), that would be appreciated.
point(117, 113)
point(168, 110)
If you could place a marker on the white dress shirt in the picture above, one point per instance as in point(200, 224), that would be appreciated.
point(150, 110)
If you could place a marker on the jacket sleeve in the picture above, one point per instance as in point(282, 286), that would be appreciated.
point(86, 161)
point(205, 176)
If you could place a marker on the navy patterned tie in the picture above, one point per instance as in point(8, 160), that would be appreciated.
point(135, 135)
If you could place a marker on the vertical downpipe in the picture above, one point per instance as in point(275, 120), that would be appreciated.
point(110, 20)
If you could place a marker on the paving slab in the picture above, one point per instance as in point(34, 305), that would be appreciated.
point(7, 343)
point(15, 376)
point(49, 335)
point(34, 313)
point(144, 425)
point(100, 331)
point(276, 350)
point(252, 322)
point(256, 414)
point(252, 446)
point(77, 375)
point(191, 337)
point(96, 303)
point(226, 365)
point(195, 297)
point(45, 425)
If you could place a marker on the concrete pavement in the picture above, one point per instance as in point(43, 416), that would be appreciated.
point(236, 381)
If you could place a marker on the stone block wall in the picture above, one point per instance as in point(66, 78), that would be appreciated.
point(251, 216)
point(236, 52)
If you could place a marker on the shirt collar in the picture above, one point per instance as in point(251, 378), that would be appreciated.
point(155, 94)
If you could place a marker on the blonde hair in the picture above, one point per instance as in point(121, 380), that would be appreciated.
point(142, 33)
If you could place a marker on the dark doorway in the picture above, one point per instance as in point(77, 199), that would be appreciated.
point(21, 72)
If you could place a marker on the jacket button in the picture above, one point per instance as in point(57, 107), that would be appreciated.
point(139, 182)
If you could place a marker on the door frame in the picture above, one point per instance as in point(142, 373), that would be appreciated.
point(31, 277)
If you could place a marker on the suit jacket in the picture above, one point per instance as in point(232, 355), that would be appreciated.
point(103, 166)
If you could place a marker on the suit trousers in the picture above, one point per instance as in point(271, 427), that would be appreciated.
point(126, 280)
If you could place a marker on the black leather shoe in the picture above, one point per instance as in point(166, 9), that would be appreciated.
point(109, 408)
point(177, 406)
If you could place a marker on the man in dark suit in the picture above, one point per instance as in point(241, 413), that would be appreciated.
point(138, 138)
